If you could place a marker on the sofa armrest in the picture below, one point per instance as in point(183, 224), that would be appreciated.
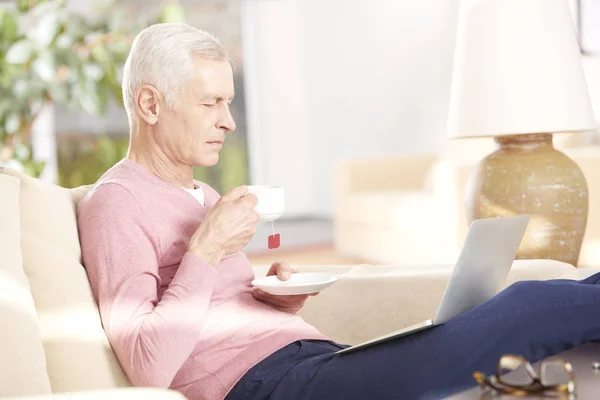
point(112, 394)
point(370, 301)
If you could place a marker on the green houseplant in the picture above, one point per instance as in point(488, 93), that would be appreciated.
point(49, 53)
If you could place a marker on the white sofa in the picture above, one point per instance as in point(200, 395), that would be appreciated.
point(52, 344)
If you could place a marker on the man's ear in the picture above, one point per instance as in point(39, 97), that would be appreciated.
point(148, 104)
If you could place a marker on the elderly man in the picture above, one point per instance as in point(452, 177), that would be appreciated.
point(164, 256)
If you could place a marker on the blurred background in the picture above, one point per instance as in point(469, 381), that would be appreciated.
point(317, 82)
point(67, 83)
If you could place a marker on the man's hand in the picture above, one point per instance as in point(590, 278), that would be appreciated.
point(227, 227)
point(292, 303)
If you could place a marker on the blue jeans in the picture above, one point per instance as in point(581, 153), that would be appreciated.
point(536, 319)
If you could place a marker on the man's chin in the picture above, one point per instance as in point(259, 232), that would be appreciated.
point(207, 161)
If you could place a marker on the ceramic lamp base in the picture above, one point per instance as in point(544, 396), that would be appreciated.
point(527, 175)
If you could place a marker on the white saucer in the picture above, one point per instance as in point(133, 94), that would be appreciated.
point(299, 283)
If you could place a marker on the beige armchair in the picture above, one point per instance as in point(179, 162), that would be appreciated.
point(400, 211)
point(410, 210)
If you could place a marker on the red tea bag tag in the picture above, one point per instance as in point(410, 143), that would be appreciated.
point(274, 241)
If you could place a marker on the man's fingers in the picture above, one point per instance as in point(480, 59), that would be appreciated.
point(259, 292)
point(284, 271)
point(295, 298)
point(251, 199)
point(289, 304)
point(235, 193)
point(273, 269)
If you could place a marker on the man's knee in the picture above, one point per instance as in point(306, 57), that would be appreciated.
point(525, 288)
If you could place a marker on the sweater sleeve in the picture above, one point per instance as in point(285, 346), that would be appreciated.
point(151, 338)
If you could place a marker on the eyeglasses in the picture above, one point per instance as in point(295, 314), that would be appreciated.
point(556, 376)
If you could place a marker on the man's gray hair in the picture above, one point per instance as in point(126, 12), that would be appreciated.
point(162, 56)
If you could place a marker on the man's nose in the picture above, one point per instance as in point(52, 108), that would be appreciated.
point(227, 123)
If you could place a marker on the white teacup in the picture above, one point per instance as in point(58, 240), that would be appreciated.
point(271, 204)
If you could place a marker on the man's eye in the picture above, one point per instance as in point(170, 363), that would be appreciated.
point(209, 105)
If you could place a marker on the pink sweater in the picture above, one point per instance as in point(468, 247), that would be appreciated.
point(171, 318)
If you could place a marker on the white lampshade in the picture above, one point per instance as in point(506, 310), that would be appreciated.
point(517, 70)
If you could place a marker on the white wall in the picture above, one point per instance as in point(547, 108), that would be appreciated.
point(591, 64)
point(591, 67)
point(379, 80)
point(371, 78)
point(276, 107)
point(334, 79)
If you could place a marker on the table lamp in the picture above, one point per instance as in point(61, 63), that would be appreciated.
point(518, 78)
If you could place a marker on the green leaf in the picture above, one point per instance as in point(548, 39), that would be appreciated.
point(46, 28)
point(44, 7)
point(72, 61)
point(93, 72)
point(44, 66)
point(8, 26)
point(119, 49)
point(117, 92)
point(102, 56)
point(77, 27)
point(64, 41)
point(59, 92)
point(111, 75)
point(10, 72)
point(20, 52)
point(116, 21)
point(89, 99)
point(13, 164)
point(172, 12)
point(12, 124)
point(5, 106)
point(33, 168)
point(37, 104)
point(100, 53)
point(22, 152)
point(20, 88)
point(23, 5)
point(102, 93)
point(93, 37)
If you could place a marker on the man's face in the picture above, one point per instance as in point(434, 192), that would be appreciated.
point(193, 132)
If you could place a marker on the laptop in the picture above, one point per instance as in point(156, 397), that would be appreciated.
point(479, 274)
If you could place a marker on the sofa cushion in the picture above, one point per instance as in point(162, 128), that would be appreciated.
point(22, 359)
point(79, 356)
